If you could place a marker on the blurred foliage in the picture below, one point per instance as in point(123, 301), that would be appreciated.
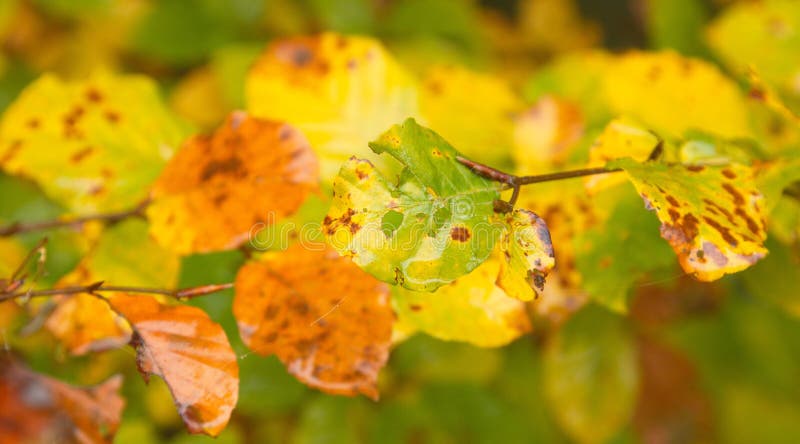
point(656, 357)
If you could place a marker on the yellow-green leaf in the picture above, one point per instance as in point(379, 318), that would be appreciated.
point(527, 255)
point(472, 309)
point(710, 215)
point(92, 145)
point(428, 229)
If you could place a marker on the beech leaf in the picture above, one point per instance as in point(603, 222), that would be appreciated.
point(250, 172)
point(328, 322)
point(37, 408)
point(710, 215)
point(431, 227)
point(527, 255)
point(183, 346)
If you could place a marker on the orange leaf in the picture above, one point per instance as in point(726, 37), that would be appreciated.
point(218, 187)
point(36, 408)
point(328, 321)
point(182, 345)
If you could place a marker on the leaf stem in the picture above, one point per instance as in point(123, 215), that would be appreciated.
point(180, 293)
point(26, 227)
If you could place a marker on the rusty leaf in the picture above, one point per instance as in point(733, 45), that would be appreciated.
point(183, 346)
point(37, 408)
point(250, 172)
point(328, 321)
point(710, 215)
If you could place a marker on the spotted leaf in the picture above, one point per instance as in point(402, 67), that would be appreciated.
point(527, 255)
point(341, 92)
point(328, 322)
point(182, 345)
point(471, 309)
point(37, 408)
point(431, 227)
point(249, 173)
point(94, 145)
point(710, 215)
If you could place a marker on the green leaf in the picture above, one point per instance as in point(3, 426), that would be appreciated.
point(446, 229)
point(615, 255)
point(590, 375)
point(710, 215)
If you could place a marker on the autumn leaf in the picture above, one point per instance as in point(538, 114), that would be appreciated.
point(250, 172)
point(710, 215)
point(620, 138)
point(480, 123)
point(546, 133)
point(92, 145)
point(591, 375)
point(527, 255)
point(431, 227)
point(328, 322)
point(341, 92)
point(82, 322)
point(471, 309)
point(37, 408)
point(183, 346)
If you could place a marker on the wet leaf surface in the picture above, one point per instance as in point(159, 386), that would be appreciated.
point(431, 227)
point(190, 352)
point(247, 175)
point(37, 408)
point(329, 322)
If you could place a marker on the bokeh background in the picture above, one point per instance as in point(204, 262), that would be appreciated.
point(689, 362)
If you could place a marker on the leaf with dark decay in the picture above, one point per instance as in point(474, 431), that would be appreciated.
point(94, 145)
point(183, 346)
point(37, 408)
point(527, 255)
point(431, 227)
point(340, 91)
point(328, 322)
point(710, 215)
point(218, 187)
point(471, 309)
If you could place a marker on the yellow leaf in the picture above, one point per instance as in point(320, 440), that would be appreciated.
point(341, 92)
point(527, 255)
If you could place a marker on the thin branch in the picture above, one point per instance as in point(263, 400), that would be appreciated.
point(26, 227)
point(98, 287)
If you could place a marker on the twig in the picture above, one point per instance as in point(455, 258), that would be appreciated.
point(98, 287)
point(26, 227)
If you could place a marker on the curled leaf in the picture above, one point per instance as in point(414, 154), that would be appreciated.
point(248, 174)
point(431, 227)
point(471, 309)
point(37, 408)
point(328, 322)
point(527, 255)
point(710, 215)
point(183, 346)
point(94, 145)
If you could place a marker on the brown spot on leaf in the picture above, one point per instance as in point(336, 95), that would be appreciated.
point(460, 234)
point(737, 197)
point(695, 168)
point(728, 173)
point(94, 95)
point(723, 231)
point(78, 156)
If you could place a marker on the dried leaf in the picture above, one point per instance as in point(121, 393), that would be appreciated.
point(430, 228)
point(527, 255)
point(471, 309)
point(710, 215)
point(217, 188)
point(94, 145)
point(341, 92)
point(36, 408)
point(183, 346)
point(328, 322)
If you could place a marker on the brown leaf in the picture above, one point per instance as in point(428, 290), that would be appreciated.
point(37, 408)
point(218, 187)
point(182, 345)
point(328, 321)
